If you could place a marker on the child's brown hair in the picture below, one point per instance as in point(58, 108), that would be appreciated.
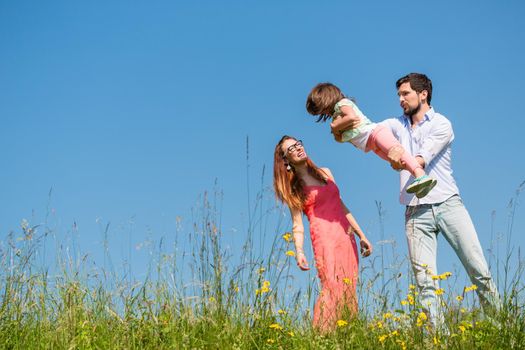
point(322, 99)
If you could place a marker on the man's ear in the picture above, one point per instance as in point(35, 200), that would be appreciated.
point(424, 94)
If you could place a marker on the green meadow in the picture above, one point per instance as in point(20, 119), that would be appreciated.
point(200, 295)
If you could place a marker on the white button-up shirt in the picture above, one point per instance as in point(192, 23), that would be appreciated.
point(431, 139)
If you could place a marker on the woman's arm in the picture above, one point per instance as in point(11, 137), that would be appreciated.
point(298, 238)
point(366, 246)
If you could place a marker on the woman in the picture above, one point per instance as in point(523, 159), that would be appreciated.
point(304, 187)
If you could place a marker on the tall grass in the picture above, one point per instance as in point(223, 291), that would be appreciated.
point(207, 296)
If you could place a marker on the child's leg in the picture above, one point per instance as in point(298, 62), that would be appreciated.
point(385, 145)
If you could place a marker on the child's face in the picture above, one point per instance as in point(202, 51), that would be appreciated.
point(293, 151)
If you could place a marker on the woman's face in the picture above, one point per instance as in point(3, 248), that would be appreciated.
point(294, 151)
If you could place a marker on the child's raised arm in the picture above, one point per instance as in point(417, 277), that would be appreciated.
point(345, 121)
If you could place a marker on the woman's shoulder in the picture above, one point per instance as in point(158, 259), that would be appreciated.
point(327, 172)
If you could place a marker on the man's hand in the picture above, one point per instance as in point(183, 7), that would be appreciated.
point(397, 165)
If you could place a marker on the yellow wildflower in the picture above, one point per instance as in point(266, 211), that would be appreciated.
point(382, 338)
point(211, 299)
point(394, 333)
point(439, 291)
point(346, 280)
point(421, 318)
point(287, 237)
point(459, 298)
point(462, 328)
point(404, 302)
point(471, 288)
point(436, 340)
point(270, 341)
point(261, 270)
point(410, 299)
point(276, 326)
point(402, 344)
point(387, 315)
point(341, 323)
point(463, 310)
point(290, 253)
point(435, 277)
point(281, 312)
point(264, 289)
point(412, 287)
point(291, 334)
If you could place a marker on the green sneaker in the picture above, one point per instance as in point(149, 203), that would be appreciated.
point(420, 183)
point(425, 190)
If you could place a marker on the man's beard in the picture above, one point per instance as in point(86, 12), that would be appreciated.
point(412, 111)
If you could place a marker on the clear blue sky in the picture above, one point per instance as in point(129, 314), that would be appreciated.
point(129, 111)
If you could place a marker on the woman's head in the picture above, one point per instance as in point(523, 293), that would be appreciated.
point(322, 99)
point(292, 151)
point(290, 155)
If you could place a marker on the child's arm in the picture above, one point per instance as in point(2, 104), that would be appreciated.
point(338, 136)
point(345, 121)
point(298, 238)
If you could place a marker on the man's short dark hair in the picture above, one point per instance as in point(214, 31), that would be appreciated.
point(418, 82)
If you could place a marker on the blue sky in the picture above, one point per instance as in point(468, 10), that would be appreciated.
point(129, 111)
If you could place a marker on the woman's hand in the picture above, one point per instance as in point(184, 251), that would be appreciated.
point(366, 247)
point(301, 261)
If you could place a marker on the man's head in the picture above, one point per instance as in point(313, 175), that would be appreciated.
point(414, 91)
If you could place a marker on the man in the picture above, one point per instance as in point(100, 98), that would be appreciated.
point(428, 136)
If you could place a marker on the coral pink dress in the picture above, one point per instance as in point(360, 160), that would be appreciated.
point(335, 253)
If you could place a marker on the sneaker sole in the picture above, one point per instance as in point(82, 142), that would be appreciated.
point(419, 186)
point(424, 191)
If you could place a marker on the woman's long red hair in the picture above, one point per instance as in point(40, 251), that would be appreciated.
point(289, 188)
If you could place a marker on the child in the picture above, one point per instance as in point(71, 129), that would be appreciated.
point(326, 100)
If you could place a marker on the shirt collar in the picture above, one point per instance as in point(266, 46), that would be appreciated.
point(429, 115)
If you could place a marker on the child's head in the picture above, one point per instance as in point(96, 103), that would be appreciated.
point(322, 99)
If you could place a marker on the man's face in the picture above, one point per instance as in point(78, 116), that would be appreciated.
point(410, 100)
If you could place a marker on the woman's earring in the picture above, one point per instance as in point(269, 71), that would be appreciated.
point(288, 167)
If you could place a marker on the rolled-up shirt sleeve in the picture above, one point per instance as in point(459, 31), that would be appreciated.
point(440, 137)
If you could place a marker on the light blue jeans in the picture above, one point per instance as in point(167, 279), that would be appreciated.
point(423, 223)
